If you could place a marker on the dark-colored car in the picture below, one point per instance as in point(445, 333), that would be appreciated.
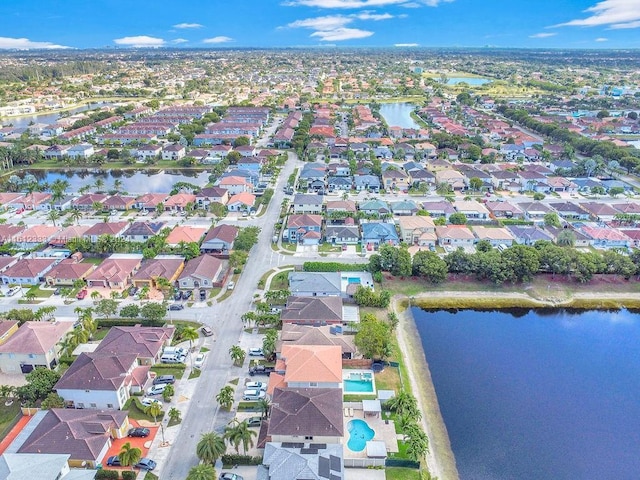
point(260, 370)
point(186, 295)
point(113, 461)
point(176, 306)
point(145, 464)
point(203, 294)
point(177, 296)
point(164, 379)
point(140, 432)
point(133, 291)
point(57, 291)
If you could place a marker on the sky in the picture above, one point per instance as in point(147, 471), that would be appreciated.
point(52, 24)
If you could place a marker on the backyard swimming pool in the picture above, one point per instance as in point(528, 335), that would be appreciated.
point(358, 382)
point(359, 434)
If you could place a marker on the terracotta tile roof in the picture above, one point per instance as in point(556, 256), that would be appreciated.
point(159, 267)
point(70, 270)
point(74, 231)
point(245, 198)
point(304, 220)
point(36, 234)
point(232, 180)
point(97, 371)
point(226, 233)
point(29, 267)
point(9, 231)
point(180, 200)
point(316, 363)
point(83, 434)
point(306, 412)
point(203, 266)
point(310, 309)
point(145, 342)
point(114, 270)
point(185, 233)
point(36, 337)
point(106, 228)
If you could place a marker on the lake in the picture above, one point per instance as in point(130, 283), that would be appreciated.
point(473, 81)
point(133, 181)
point(537, 394)
point(398, 114)
point(49, 118)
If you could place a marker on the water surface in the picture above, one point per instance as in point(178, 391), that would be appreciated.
point(398, 114)
point(537, 395)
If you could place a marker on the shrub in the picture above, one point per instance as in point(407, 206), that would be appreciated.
point(107, 475)
point(334, 267)
point(128, 475)
point(236, 459)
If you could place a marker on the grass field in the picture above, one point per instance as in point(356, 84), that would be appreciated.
point(399, 473)
point(8, 417)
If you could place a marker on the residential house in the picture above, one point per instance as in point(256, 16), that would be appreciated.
point(570, 211)
point(339, 183)
point(71, 232)
point(561, 184)
point(242, 202)
point(504, 210)
point(370, 183)
point(529, 235)
point(68, 271)
point(442, 209)
point(97, 230)
point(34, 236)
point(81, 150)
point(632, 233)
point(6, 262)
point(168, 267)
point(173, 152)
point(18, 466)
point(7, 328)
point(204, 271)
point(102, 380)
point(34, 345)
point(313, 311)
point(235, 184)
point(417, 230)
point(311, 366)
point(306, 203)
point(147, 343)
point(118, 202)
point(219, 239)
point(304, 229)
point(84, 435)
point(374, 207)
point(341, 206)
point(142, 231)
point(455, 179)
point(404, 208)
point(342, 234)
point(86, 202)
point(209, 195)
point(186, 234)
point(180, 202)
point(144, 152)
point(393, 179)
point(28, 271)
point(601, 212)
point(35, 201)
point(496, 236)
point(535, 211)
point(286, 461)
point(150, 201)
point(581, 240)
point(605, 237)
point(312, 172)
point(375, 234)
point(328, 284)
point(421, 177)
point(293, 334)
point(306, 414)
point(455, 236)
point(116, 271)
point(471, 209)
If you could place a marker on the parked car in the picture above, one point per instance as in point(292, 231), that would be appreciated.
point(254, 421)
point(133, 291)
point(113, 461)
point(164, 379)
point(177, 296)
point(145, 464)
point(81, 294)
point(12, 291)
point(157, 389)
point(260, 370)
point(256, 385)
point(230, 476)
point(57, 291)
point(176, 306)
point(187, 295)
point(231, 285)
point(141, 432)
point(203, 294)
point(249, 395)
point(199, 360)
point(255, 352)
point(147, 402)
point(206, 331)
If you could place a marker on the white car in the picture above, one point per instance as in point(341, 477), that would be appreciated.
point(256, 386)
point(199, 360)
point(249, 395)
point(255, 352)
point(157, 389)
point(148, 401)
point(231, 285)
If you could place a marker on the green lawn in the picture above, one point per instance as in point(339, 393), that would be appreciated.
point(38, 292)
point(101, 333)
point(176, 370)
point(136, 412)
point(388, 379)
point(195, 373)
point(399, 473)
point(8, 417)
point(280, 281)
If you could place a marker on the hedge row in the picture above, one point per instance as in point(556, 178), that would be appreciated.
point(129, 322)
point(236, 459)
point(334, 267)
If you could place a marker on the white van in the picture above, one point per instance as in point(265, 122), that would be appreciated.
point(253, 395)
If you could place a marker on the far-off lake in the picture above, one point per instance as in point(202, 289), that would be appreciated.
point(532, 395)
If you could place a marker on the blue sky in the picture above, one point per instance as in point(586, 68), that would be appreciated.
point(299, 23)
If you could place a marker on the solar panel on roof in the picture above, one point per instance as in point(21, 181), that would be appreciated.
point(309, 451)
point(288, 445)
point(323, 467)
point(335, 477)
point(336, 464)
point(319, 446)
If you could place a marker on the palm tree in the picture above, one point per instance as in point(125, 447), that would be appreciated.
point(264, 405)
point(75, 215)
point(225, 397)
point(154, 409)
point(95, 295)
point(174, 415)
point(210, 448)
point(99, 183)
point(162, 284)
point(53, 215)
point(66, 346)
point(417, 443)
point(240, 434)
point(78, 336)
point(117, 184)
point(129, 455)
point(191, 334)
point(202, 472)
point(405, 404)
point(238, 355)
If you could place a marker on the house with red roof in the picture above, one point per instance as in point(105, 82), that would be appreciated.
point(115, 272)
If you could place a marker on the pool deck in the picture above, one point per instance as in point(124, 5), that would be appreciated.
point(383, 432)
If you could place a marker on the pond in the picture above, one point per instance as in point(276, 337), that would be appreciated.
point(472, 81)
point(50, 118)
point(537, 394)
point(133, 181)
point(398, 114)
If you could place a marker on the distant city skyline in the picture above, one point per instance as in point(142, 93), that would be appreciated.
point(53, 24)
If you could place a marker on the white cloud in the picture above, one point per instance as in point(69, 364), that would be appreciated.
point(373, 16)
point(218, 39)
point(615, 14)
point(602, 39)
point(177, 41)
point(360, 3)
point(338, 34)
point(26, 44)
point(543, 35)
point(328, 22)
point(406, 45)
point(140, 41)
point(188, 25)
